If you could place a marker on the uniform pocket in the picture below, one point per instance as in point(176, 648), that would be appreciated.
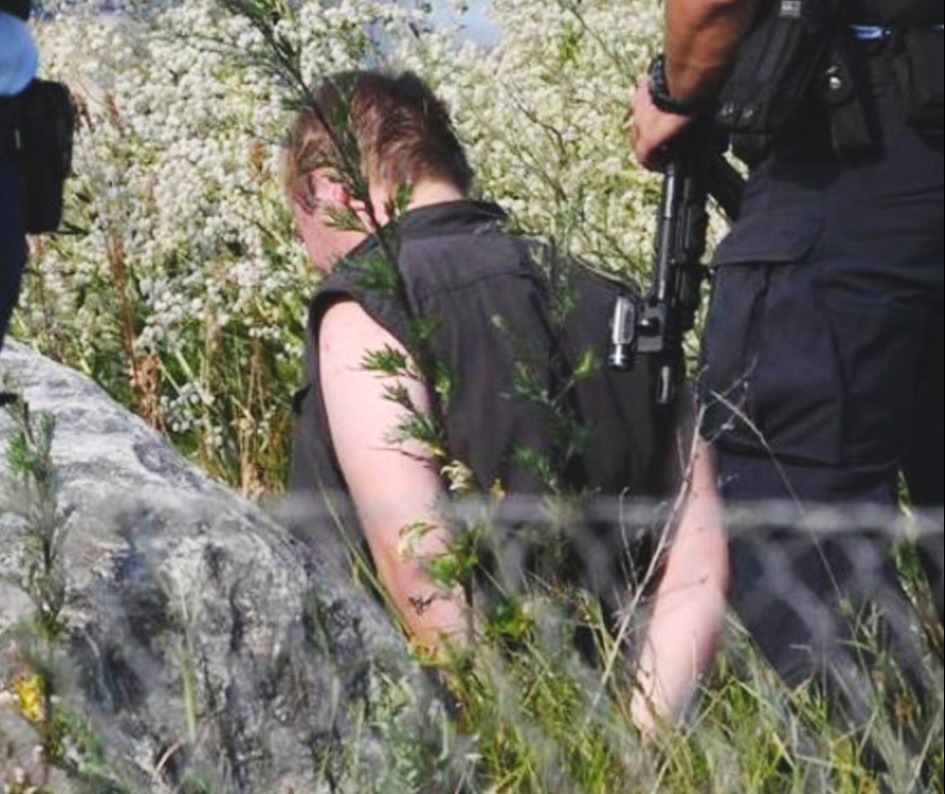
point(771, 379)
point(783, 208)
point(796, 395)
point(766, 349)
point(877, 341)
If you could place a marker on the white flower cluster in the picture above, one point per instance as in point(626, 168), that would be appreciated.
point(182, 250)
point(544, 115)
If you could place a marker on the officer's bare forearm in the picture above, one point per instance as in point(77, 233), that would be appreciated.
point(701, 39)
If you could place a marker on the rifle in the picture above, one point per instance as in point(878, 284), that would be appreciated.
point(657, 324)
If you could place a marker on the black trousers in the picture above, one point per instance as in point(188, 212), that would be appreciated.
point(12, 242)
point(822, 379)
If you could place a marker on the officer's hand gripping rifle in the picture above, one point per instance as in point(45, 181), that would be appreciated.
point(656, 325)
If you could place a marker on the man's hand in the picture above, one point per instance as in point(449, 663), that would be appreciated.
point(701, 40)
point(651, 129)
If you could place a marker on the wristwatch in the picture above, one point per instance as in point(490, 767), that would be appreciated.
point(659, 91)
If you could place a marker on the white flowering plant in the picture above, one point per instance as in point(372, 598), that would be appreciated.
point(544, 114)
point(178, 284)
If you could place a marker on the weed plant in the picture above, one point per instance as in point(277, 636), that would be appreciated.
point(66, 739)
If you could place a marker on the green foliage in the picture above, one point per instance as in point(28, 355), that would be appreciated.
point(533, 720)
point(386, 361)
point(373, 273)
point(197, 784)
point(34, 499)
point(66, 738)
point(539, 464)
point(458, 564)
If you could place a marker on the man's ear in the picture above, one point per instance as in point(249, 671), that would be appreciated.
point(320, 188)
point(303, 196)
point(356, 206)
point(349, 201)
point(332, 191)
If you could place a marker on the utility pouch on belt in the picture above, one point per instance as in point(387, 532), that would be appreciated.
point(850, 130)
point(772, 72)
point(919, 65)
point(44, 123)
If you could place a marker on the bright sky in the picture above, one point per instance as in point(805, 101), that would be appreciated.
point(476, 25)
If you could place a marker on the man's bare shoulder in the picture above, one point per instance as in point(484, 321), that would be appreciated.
point(346, 328)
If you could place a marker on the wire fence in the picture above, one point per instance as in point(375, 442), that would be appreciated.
point(805, 582)
point(839, 602)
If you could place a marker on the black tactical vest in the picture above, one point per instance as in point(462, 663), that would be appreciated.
point(797, 63)
point(894, 13)
point(492, 314)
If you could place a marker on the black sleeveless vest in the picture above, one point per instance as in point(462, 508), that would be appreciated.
point(492, 312)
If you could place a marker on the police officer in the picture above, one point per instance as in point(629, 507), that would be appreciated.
point(823, 347)
point(18, 64)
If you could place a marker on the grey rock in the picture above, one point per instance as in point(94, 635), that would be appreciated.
point(203, 641)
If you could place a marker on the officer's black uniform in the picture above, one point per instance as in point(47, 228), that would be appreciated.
point(823, 354)
point(493, 316)
point(12, 221)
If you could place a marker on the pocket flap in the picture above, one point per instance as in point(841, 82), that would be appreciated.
point(770, 237)
point(780, 221)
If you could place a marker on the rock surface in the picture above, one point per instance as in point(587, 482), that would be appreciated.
point(204, 648)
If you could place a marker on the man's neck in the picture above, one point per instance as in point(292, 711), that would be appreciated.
point(430, 192)
point(422, 194)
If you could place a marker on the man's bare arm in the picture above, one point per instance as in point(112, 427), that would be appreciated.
point(394, 486)
point(701, 39)
point(688, 612)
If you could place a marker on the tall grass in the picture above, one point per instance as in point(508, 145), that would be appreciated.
point(178, 288)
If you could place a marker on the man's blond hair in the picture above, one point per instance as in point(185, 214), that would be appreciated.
point(390, 128)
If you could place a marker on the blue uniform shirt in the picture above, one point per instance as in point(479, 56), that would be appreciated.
point(19, 58)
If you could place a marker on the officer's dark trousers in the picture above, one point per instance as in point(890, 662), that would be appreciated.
point(823, 381)
point(12, 242)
